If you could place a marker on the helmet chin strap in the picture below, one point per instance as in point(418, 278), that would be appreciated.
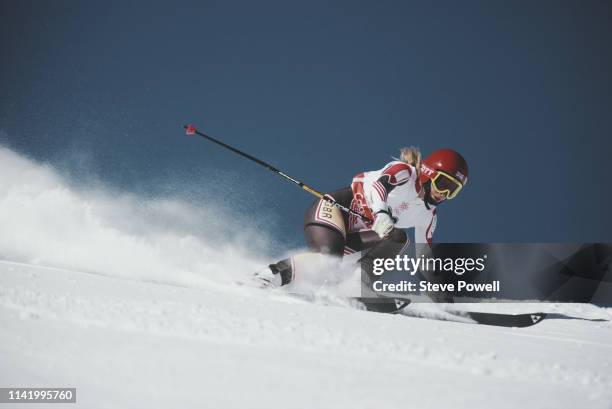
point(427, 199)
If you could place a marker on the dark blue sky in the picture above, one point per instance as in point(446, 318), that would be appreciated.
point(323, 90)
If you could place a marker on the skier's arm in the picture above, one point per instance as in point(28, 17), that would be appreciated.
point(395, 174)
point(424, 233)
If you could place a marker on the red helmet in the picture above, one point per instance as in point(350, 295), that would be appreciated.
point(447, 170)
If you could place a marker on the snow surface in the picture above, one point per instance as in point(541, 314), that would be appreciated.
point(133, 302)
point(129, 343)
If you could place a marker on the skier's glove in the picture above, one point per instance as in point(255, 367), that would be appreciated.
point(383, 223)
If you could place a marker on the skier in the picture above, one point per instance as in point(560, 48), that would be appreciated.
point(405, 193)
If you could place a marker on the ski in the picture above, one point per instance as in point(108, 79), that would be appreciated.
point(491, 318)
point(502, 320)
point(397, 305)
point(384, 305)
point(373, 304)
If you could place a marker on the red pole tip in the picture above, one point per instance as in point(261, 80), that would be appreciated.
point(190, 130)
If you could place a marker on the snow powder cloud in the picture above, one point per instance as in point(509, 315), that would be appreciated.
point(44, 219)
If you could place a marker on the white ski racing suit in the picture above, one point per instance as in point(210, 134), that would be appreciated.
point(394, 188)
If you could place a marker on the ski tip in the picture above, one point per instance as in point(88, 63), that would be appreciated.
point(190, 129)
point(537, 317)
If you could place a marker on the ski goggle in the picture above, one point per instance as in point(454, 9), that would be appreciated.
point(444, 183)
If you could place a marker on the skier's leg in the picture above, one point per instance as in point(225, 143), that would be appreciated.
point(394, 244)
point(362, 240)
point(325, 225)
point(324, 240)
point(325, 231)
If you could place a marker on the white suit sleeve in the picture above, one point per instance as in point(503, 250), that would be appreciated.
point(424, 233)
point(394, 174)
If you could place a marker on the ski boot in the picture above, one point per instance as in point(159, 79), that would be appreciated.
point(275, 275)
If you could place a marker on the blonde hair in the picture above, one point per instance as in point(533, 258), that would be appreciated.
point(412, 156)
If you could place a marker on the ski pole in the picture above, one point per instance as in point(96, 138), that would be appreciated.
point(191, 130)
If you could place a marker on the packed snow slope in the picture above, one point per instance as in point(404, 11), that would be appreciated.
point(129, 343)
point(132, 301)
